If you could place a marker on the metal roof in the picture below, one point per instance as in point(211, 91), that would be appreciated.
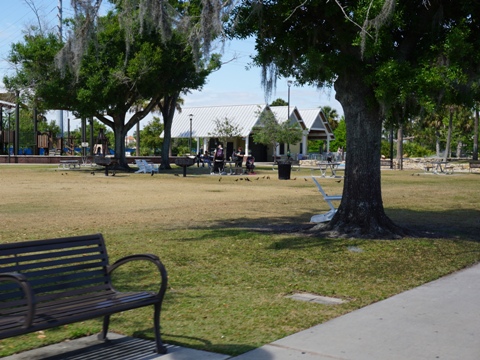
point(316, 124)
point(313, 119)
point(246, 117)
point(281, 114)
point(203, 119)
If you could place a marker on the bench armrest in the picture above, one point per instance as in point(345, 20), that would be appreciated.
point(23, 283)
point(144, 257)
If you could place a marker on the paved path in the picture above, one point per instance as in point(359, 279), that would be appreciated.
point(438, 320)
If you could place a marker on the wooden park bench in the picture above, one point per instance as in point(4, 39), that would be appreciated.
point(47, 283)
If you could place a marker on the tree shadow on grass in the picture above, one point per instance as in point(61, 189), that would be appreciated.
point(461, 224)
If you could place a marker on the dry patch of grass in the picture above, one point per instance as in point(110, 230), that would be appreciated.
point(234, 249)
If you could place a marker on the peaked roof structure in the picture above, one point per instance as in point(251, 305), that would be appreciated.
point(203, 119)
point(281, 114)
point(317, 124)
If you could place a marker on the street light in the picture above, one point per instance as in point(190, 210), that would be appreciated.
point(289, 83)
point(9, 112)
point(190, 139)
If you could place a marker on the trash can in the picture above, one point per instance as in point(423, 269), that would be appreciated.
point(284, 171)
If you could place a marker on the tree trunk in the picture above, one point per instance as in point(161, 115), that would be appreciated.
point(437, 144)
point(400, 146)
point(475, 135)
point(459, 149)
point(167, 107)
point(361, 212)
point(120, 131)
point(449, 135)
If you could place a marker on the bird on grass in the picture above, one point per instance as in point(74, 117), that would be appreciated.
point(152, 173)
point(338, 181)
point(305, 179)
point(263, 177)
point(241, 178)
point(236, 179)
point(257, 178)
point(175, 174)
point(294, 178)
point(93, 173)
point(247, 179)
point(268, 177)
point(219, 179)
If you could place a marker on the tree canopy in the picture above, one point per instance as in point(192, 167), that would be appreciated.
point(113, 75)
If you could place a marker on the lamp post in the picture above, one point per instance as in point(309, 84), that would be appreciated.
point(289, 83)
point(190, 138)
point(9, 112)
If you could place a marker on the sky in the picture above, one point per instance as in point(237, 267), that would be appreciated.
point(233, 84)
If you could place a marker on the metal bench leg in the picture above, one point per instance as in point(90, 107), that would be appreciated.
point(161, 349)
point(103, 335)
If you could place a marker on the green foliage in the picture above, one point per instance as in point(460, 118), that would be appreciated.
point(279, 102)
point(114, 75)
point(180, 146)
point(225, 129)
point(331, 115)
point(290, 133)
point(150, 141)
point(340, 133)
point(413, 149)
point(76, 134)
point(268, 132)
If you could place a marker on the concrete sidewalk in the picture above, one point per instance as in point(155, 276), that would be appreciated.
point(438, 320)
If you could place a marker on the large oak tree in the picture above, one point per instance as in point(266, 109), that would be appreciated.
point(350, 44)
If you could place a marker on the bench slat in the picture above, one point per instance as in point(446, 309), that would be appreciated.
point(46, 254)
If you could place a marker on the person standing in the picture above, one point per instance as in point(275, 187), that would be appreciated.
point(239, 157)
point(218, 158)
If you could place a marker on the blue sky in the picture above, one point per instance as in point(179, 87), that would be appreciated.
point(233, 84)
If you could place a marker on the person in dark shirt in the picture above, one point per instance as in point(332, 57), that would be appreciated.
point(238, 157)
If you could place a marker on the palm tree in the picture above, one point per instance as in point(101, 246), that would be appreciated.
point(331, 116)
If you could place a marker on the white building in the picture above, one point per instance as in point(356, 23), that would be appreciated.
point(199, 123)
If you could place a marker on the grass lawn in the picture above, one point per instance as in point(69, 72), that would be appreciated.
point(234, 248)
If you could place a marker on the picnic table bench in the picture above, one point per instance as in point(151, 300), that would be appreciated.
point(385, 162)
point(47, 283)
point(68, 164)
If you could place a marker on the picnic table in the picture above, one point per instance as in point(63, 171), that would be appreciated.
point(324, 166)
point(442, 167)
